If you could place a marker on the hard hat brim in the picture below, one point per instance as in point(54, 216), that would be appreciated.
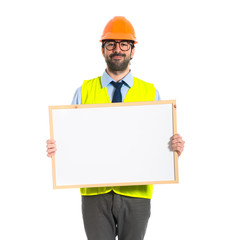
point(115, 36)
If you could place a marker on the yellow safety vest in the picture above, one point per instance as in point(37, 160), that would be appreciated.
point(93, 93)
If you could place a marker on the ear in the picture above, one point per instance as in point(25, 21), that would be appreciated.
point(103, 52)
point(132, 52)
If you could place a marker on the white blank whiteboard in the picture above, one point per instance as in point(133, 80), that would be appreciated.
point(114, 144)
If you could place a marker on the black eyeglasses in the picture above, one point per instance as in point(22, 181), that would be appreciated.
point(124, 45)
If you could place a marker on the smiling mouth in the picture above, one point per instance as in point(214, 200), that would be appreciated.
point(117, 57)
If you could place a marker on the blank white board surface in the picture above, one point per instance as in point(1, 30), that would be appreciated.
point(114, 144)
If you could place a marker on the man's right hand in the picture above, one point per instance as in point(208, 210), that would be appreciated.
point(51, 147)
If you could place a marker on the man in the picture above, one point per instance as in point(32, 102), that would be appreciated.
point(123, 210)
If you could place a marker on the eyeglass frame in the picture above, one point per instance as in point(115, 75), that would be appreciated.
point(131, 43)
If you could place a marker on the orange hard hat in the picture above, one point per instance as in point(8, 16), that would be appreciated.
point(119, 28)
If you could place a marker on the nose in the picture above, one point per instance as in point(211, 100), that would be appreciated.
point(117, 48)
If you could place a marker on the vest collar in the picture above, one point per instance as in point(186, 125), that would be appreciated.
point(106, 79)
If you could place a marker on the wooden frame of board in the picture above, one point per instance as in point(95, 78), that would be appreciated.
point(60, 119)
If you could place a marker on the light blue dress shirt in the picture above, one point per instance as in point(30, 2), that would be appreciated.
point(105, 81)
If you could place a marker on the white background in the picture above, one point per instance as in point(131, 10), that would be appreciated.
point(47, 49)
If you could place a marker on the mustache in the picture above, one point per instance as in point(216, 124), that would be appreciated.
point(117, 54)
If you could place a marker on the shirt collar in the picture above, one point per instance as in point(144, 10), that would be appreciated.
point(106, 79)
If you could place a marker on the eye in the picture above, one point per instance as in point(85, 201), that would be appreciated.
point(124, 44)
point(110, 44)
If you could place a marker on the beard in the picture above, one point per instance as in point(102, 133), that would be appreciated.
point(115, 65)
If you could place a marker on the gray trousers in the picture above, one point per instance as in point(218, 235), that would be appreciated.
point(108, 215)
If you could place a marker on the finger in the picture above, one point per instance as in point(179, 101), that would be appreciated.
point(179, 150)
point(179, 153)
point(50, 154)
point(177, 135)
point(50, 141)
point(176, 139)
point(51, 145)
point(177, 144)
point(51, 150)
point(180, 140)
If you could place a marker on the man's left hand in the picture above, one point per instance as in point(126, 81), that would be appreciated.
point(177, 144)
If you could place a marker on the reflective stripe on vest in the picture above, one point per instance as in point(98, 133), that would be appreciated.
point(93, 93)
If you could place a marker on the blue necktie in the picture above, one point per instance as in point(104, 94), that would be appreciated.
point(117, 94)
